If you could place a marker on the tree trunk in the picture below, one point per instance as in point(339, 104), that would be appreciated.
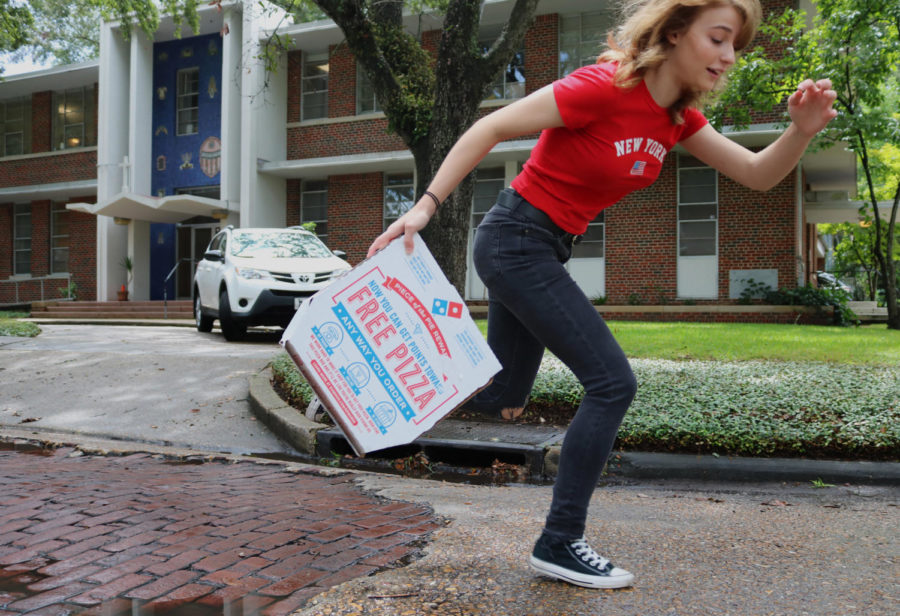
point(429, 130)
point(890, 273)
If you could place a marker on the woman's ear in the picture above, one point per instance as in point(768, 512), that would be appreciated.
point(673, 37)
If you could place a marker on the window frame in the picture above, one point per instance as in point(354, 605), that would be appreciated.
point(21, 210)
point(319, 187)
point(363, 81)
point(386, 185)
point(61, 124)
point(688, 163)
point(181, 96)
point(512, 90)
point(584, 43)
point(313, 59)
point(22, 103)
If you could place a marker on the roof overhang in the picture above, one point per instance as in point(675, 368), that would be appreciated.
point(378, 162)
point(831, 169)
point(833, 212)
point(54, 78)
point(128, 206)
point(58, 191)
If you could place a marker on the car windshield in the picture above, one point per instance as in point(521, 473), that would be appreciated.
point(278, 245)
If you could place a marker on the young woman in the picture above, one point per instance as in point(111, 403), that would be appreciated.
point(605, 131)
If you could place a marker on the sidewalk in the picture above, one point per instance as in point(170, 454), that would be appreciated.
point(150, 534)
point(534, 448)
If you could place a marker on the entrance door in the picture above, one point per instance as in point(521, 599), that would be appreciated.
point(192, 243)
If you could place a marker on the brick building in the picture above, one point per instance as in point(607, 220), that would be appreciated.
point(86, 181)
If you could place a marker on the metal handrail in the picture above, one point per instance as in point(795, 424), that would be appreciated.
point(166, 285)
point(67, 277)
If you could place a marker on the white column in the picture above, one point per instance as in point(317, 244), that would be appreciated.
point(112, 147)
point(263, 125)
point(232, 63)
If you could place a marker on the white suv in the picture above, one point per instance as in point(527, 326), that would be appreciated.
point(259, 277)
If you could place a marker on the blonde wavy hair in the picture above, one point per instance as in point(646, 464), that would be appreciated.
point(641, 41)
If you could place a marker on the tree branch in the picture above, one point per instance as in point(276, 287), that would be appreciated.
point(507, 44)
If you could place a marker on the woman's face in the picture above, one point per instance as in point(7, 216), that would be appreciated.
point(701, 54)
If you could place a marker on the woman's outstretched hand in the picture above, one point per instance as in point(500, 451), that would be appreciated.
point(407, 225)
point(810, 106)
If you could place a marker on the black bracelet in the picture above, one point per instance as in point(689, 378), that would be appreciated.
point(437, 202)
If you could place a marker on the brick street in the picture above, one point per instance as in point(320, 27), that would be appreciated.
point(92, 534)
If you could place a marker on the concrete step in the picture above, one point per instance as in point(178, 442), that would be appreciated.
point(181, 309)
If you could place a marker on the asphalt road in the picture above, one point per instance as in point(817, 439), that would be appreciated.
point(163, 385)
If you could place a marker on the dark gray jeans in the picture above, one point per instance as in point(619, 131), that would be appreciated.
point(535, 304)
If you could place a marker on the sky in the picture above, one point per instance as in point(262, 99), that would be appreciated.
point(17, 68)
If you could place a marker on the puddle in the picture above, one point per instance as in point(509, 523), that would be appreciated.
point(15, 585)
point(27, 448)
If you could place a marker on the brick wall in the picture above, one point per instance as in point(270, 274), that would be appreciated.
point(294, 81)
point(354, 213)
point(641, 242)
point(542, 52)
point(41, 122)
point(62, 167)
point(83, 250)
point(341, 82)
point(757, 231)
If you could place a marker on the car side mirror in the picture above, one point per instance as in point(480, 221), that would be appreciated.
point(339, 254)
point(214, 255)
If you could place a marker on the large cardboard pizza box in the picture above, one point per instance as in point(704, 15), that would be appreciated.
point(389, 348)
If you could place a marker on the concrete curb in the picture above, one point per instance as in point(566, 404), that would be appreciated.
point(293, 427)
point(284, 421)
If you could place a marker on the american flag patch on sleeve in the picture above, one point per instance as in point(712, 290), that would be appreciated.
point(638, 168)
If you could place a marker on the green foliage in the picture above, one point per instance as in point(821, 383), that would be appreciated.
point(10, 326)
point(16, 24)
point(410, 104)
point(856, 44)
point(753, 289)
point(598, 300)
point(815, 297)
point(635, 300)
point(62, 32)
point(70, 291)
point(754, 408)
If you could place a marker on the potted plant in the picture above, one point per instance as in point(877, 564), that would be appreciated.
point(129, 267)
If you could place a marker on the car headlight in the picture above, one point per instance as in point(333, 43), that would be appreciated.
point(253, 274)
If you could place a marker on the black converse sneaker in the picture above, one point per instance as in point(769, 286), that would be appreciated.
point(577, 563)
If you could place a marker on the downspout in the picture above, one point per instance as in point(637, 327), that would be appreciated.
point(798, 231)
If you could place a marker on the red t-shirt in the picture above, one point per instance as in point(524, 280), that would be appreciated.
point(613, 143)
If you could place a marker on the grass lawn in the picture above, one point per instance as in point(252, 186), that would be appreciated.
point(10, 326)
point(868, 345)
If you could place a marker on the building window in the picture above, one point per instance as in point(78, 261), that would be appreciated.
point(581, 39)
point(22, 239)
point(697, 208)
point(510, 83)
point(59, 238)
point(314, 86)
point(14, 121)
point(592, 244)
point(187, 101)
point(399, 196)
point(74, 119)
point(488, 184)
point(365, 93)
point(314, 206)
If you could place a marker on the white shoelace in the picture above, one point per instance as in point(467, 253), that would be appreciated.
point(588, 555)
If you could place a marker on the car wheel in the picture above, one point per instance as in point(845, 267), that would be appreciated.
point(204, 322)
point(230, 329)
